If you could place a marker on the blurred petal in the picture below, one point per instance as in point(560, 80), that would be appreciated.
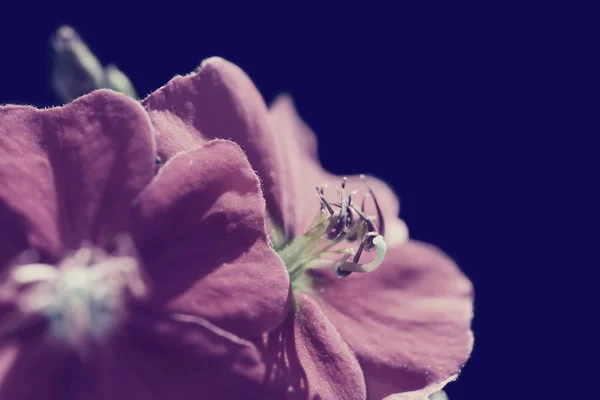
point(219, 101)
point(35, 369)
point(8, 354)
point(299, 145)
point(180, 357)
point(13, 234)
point(201, 230)
point(69, 173)
point(158, 358)
point(291, 131)
point(308, 356)
point(408, 322)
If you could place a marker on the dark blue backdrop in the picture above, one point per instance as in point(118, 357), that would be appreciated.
point(452, 105)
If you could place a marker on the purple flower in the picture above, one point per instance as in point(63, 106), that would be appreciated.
point(404, 326)
point(120, 283)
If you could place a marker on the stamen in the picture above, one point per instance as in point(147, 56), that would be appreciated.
point(335, 223)
point(354, 266)
point(337, 266)
point(368, 222)
point(322, 263)
point(342, 218)
point(324, 202)
point(83, 298)
point(34, 273)
point(380, 220)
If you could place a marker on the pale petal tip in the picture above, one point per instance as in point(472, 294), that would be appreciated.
point(211, 61)
point(397, 233)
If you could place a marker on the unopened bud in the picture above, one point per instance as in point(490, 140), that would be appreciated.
point(76, 70)
point(115, 79)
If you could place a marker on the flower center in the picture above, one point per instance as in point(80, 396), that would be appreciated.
point(84, 298)
point(336, 223)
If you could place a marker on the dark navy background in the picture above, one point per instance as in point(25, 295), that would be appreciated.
point(464, 110)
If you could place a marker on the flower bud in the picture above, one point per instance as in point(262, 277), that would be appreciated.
point(76, 70)
point(115, 79)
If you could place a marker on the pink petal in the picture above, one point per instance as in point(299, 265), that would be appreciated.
point(408, 322)
point(309, 359)
point(157, 357)
point(219, 101)
point(180, 357)
point(201, 230)
point(299, 145)
point(9, 352)
point(34, 369)
point(69, 173)
point(13, 235)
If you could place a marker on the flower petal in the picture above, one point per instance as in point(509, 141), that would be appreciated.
point(299, 144)
point(8, 354)
point(219, 101)
point(180, 357)
point(35, 369)
point(201, 231)
point(309, 359)
point(431, 392)
point(408, 322)
point(13, 234)
point(69, 174)
point(156, 357)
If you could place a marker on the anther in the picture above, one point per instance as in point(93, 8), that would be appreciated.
point(350, 220)
point(380, 221)
point(370, 225)
point(324, 202)
point(337, 230)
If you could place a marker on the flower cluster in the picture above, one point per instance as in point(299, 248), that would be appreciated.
point(175, 248)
